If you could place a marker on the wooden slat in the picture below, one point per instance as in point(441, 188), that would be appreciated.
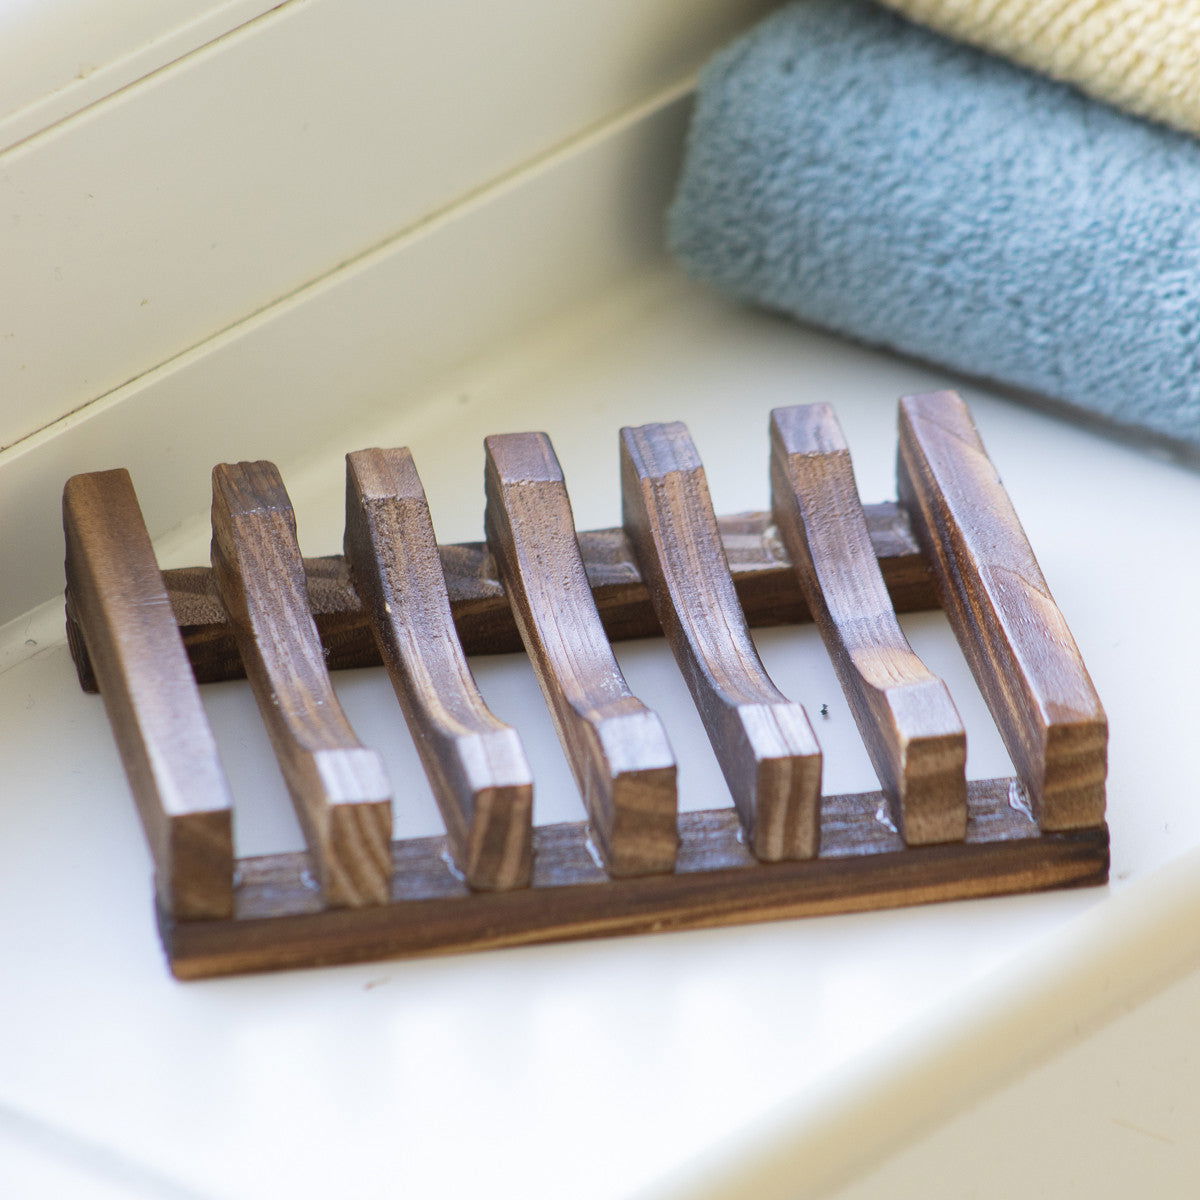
point(617, 747)
point(1011, 631)
point(339, 788)
point(863, 865)
point(763, 741)
point(117, 601)
point(908, 721)
point(762, 574)
point(475, 762)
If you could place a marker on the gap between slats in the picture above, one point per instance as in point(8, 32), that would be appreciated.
point(907, 719)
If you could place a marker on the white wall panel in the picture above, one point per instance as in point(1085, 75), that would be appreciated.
point(205, 192)
point(58, 56)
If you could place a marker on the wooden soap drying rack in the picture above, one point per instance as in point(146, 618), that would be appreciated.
point(144, 638)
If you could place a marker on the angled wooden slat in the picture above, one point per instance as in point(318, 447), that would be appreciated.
point(117, 599)
point(763, 741)
point(339, 788)
point(617, 748)
point(908, 721)
point(1010, 629)
point(475, 763)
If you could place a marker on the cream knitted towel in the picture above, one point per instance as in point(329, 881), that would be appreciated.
point(1141, 55)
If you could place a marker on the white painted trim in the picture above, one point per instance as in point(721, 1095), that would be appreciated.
point(58, 58)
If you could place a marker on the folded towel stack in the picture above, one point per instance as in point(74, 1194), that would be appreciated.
point(864, 174)
point(1141, 55)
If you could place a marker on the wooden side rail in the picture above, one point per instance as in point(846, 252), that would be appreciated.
point(762, 575)
point(908, 722)
point(475, 763)
point(617, 748)
point(862, 866)
point(763, 742)
point(1011, 631)
point(119, 609)
point(338, 787)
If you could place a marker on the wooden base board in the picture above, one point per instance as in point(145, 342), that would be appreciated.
point(279, 921)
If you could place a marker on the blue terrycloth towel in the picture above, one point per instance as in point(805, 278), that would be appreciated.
point(864, 174)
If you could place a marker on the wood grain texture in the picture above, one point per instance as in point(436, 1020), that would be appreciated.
point(339, 787)
point(911, 728)
point(763, 742)
point(762, 575)
point(475, 763)
point(863, 865)
point(118, 604)
point(1010, 629)
point(617, 748)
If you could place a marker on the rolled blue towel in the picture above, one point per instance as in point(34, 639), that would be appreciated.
point(866, 175)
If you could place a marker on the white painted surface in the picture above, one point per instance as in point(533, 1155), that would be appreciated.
point(597, 1069)
point(1117, 1115)
point(301, 140)
point(593, 1070)
point(39, 1162)
point(1060, 991)
point(58, 56)
point(362, 342)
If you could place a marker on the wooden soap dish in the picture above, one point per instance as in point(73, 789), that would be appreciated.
point(144, 638)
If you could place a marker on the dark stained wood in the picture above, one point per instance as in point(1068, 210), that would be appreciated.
point(539, 583)
point(763, 741)
point(863, 865)
point(475, 762)
point(762, 574)
point(1011, 631)
point(119, 605)
point(339, 788)
point(617, 748)
point(909, 723)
